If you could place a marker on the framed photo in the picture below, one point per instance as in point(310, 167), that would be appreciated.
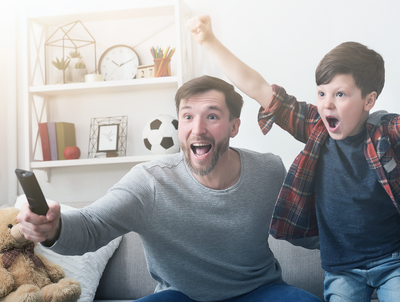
point(108, 138)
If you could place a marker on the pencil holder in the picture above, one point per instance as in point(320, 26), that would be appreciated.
point(162, 67)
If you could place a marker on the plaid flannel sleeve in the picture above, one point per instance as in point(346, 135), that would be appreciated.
point(297, 118)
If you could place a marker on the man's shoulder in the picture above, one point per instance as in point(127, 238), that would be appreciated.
point(165, 161)
point(260, 158)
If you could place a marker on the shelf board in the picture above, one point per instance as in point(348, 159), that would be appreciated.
point(92, 161)
point(110, 11)
point(105, 86)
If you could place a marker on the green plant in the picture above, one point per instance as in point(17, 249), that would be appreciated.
point(80, 65)
point(75, 54)
point(61, 65)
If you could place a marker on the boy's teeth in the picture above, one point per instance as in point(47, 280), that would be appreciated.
point(332, 122)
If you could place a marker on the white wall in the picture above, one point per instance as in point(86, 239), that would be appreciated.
point(284, 40)
point(8, 95)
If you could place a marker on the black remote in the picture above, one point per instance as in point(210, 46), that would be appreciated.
point(33, 192)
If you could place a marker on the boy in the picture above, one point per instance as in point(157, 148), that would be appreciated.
point(345, 184)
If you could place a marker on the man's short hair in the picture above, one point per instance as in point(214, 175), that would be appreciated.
point(365, 65)
point(233, 100)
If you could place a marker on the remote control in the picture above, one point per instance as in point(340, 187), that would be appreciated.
point(33, 192)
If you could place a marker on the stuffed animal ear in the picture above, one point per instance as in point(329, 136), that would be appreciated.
point(5, 206)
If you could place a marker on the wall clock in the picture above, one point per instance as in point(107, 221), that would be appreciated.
point(118, 62)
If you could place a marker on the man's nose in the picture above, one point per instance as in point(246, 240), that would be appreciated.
point(199, 127)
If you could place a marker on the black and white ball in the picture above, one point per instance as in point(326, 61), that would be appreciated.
point(160, 135)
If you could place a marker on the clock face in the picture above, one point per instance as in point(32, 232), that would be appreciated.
point(119, 62)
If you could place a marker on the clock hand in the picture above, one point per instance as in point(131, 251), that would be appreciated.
point(114, 70)
point(126, 62)
point(115, 63)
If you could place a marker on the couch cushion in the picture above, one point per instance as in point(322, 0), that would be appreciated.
point(300, 267)
point(126, 276)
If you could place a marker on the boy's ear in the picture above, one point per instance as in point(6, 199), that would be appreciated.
point(370, 100)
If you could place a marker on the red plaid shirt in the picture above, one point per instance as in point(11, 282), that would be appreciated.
point(294, 215)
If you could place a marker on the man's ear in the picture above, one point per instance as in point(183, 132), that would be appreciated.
point(235, 124)
point(370, 100)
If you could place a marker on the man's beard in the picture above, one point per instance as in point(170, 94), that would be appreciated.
point(220, 149)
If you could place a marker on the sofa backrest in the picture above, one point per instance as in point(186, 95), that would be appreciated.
point(300, 267)
point(126, 276)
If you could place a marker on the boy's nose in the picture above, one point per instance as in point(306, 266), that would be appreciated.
point(329, 103)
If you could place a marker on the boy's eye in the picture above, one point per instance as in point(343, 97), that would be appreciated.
point(321, 94)
point(340, 94)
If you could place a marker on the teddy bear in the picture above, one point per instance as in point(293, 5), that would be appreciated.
point(26, 276)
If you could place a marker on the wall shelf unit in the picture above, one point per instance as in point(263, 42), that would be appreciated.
point(138, 24)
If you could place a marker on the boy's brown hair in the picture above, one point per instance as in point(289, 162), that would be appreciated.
point(365, 65)
point(233, 100)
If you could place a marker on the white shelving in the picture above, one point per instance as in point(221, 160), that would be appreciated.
point(100, 87)
point(120, 18)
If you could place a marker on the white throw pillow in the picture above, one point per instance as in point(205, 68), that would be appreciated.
point(87, 269)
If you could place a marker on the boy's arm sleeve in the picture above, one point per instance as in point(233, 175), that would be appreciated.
point(297, 118)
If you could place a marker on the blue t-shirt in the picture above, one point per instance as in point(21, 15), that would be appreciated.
point(357, 221)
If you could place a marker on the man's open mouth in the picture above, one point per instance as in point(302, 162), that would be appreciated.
point(332, 122)
point(200, 149)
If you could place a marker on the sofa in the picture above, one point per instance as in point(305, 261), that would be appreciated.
point(126, 277)
point(118, 271)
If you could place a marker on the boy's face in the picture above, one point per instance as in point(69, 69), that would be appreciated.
point(341, 107)
point(204, 130)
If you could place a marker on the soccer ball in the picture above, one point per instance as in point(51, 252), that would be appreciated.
point(160, 135)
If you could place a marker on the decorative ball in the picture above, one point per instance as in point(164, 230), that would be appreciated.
point(160, 135)
point(72, 152)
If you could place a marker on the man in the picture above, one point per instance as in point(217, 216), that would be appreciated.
point(202, 214)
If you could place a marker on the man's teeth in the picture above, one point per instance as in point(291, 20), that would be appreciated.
point(201, 148)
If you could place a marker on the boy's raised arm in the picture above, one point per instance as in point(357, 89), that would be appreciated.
point(242, 76)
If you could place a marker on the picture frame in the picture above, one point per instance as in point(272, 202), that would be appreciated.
point(108, 136)
point(107, 140)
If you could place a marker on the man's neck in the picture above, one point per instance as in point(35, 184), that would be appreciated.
point(225, 174)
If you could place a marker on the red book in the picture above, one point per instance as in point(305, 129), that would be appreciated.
point(44, 138)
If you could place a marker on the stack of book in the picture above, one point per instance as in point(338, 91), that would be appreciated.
point(55, 137)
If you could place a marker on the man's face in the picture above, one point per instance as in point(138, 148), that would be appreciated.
point(342, 108)
point(204, 130)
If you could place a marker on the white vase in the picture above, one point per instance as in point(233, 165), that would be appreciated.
point(78, 75)
point(58, 77)
point(69, 70)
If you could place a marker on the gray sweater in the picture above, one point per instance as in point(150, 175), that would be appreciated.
point(209, 244)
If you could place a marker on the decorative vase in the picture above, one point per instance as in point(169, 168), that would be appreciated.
point(58, 77)
point(70, 69)
point(78, 75)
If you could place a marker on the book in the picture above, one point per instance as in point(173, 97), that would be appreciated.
point(65, 137)
point(51, 129)
point(44, 139)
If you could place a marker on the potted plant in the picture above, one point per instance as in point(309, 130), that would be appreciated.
point(75, 69)
point(79, 72)
point(61, 67)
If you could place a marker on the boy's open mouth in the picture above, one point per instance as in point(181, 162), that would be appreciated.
point(200, 149)
point(332, 122)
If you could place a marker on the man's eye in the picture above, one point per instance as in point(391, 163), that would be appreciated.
point(187, 117)
point(212, 117)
